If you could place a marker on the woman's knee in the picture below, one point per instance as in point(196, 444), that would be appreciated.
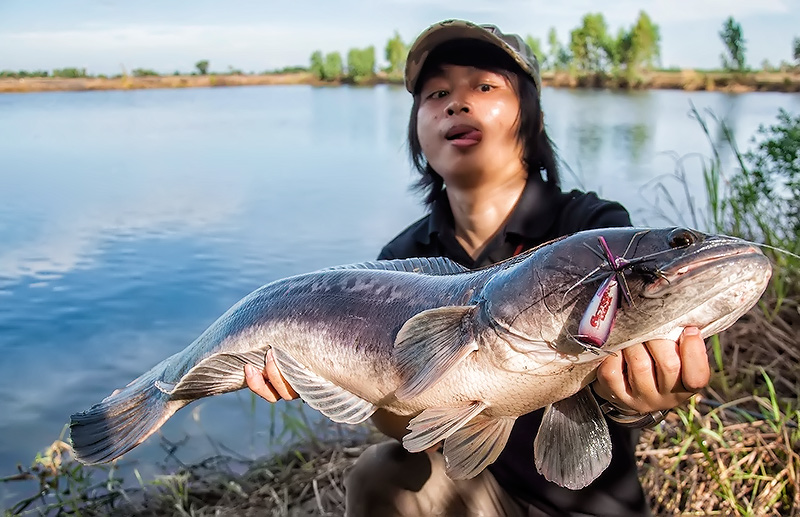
point(388, 465)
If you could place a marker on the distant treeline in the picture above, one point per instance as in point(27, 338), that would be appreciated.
point(591, 49)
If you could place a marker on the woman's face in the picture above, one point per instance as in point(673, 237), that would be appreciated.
point(467, 124)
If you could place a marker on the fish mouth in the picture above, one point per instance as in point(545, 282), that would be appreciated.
point(692, 265)
point(464, 133)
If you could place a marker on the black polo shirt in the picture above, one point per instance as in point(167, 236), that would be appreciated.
point(540, 215)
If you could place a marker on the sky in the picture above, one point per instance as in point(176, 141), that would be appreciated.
point(109, 36)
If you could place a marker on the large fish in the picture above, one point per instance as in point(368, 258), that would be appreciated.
point(466, 351)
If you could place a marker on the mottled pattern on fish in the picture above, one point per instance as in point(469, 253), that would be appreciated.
point(466, 351)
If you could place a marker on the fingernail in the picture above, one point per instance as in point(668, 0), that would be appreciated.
point(691, 331)
point(249, 371)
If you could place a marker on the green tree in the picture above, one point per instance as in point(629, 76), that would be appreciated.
point(143, 72)
point(645, 43)
point(332, 66)
point(202, 67)
point(558, 56)
point(317, 64)
point(70, 72)
point(796, 50)
point(396, 53)
point(620, 51)
point(734, 42)
point(536, 46)
point(592, 49)
point(361, 63)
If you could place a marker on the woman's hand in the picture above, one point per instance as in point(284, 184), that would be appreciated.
point(269, 384)
point(656, 375)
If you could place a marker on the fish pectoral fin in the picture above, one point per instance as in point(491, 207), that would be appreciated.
point(435, 424)
point(573, 447)
point(430, 344)
point(218, 373)
point(328, 398)
point(476, 445)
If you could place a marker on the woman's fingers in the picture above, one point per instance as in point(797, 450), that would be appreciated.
point(656, 375)
point(276, 379)
point(695, 371)
point(612, 383)
point(667, 366)
point(641, 373)
point(268, 384)
point(255, 381)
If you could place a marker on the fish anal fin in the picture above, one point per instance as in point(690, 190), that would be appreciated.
point(573, 446)
point(328, 398)
point(218, 373)
point(476, 445)
point(430, 344)
point(435, 424)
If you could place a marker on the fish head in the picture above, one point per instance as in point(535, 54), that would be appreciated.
point(672, 277)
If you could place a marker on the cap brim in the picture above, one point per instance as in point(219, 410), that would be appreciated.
point(449, 31)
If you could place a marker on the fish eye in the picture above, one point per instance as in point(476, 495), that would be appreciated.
point(681, 238)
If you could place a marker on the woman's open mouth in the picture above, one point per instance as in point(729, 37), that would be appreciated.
point(463, 135)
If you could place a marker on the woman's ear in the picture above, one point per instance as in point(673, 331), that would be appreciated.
point(541, 122)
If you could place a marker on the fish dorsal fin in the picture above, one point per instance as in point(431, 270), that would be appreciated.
point(429, 345)
point(424, 265)
point(573, 447)
point(331, 400)
point(435, 424)
point(476, 445)
point(217, 373)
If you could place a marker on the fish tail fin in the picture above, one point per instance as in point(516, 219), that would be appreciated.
point(121, 421)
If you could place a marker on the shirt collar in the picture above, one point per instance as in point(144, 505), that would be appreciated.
point(531, 218)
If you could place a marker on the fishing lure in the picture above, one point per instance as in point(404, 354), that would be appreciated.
point(598, 319)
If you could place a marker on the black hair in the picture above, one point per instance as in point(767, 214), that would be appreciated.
point(539, 156)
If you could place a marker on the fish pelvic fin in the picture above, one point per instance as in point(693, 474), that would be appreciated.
point(216, 374)
point(436, 424)
point(476, 445)
point(328, 398)
point(430, 344)
point(573, 447)
point(121, 421)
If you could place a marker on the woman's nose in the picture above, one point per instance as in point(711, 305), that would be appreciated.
point(457, 105)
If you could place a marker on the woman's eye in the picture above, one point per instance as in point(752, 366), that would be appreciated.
point(485, 87)
point(438, 94)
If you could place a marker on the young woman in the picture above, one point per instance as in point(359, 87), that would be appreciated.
point(488, 171)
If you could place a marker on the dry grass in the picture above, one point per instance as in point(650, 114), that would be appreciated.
point(723, 461)
point(301, 483)
point(46, 84)
point(689, 80)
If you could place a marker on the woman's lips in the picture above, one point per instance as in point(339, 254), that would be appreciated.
point(463, 135)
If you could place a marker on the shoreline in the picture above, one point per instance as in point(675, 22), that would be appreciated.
point(686, 80)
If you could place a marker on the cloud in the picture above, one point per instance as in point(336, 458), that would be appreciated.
point(73, 236)
point(257, 37)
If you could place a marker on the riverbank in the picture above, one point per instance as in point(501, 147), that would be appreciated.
point(688, 80)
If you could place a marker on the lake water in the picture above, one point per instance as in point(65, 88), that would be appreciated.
point(130, 220)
